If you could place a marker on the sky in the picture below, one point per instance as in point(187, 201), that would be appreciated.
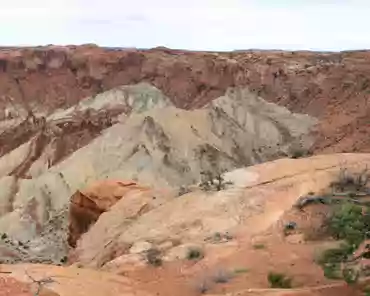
point(189, 24)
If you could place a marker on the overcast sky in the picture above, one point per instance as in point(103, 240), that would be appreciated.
point(189, 24)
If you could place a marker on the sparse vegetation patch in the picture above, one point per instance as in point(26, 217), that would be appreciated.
point(213, 181)
point(183, 190)
point(348, 221)
point(219, 237)
point(259, 246)
point(203, 287)
point(351, 182)
point(241, 270)
point(351, 224)
point(222, 276)
point(194, 253)
point(279, 280)
point(153, 257)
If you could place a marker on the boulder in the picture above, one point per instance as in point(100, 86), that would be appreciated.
point(125, 263)
point(140, 247)
point(87, 205)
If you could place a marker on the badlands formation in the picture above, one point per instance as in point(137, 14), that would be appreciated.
point(108, 160)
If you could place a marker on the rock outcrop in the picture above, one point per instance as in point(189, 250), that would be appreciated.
point(41, 140)
point(87, 205)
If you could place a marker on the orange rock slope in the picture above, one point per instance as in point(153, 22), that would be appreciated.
point(239, 232)
point(46, 280)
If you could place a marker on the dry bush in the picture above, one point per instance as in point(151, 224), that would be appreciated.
point(279, 280)
point(222, 276)
point(213, 181)
point(348, 181)
point(153, 257)
point(194, 253)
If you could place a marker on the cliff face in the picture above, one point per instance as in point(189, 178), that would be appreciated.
point(331, 86)
point(60, 77)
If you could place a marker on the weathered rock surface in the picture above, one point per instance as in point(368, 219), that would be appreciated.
point(252, 212)
point(87, 205)
point(19, 280)
point(32, 144)
point(49, 246)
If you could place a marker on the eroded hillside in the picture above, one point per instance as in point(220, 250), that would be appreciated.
point(331, 86)
point(141, 137)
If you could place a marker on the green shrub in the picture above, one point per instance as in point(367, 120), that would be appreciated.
point(332, 271)
point(241, 270)
point(367, 291)
point(279, 280)
point(350, 275)
point(298, 153)
point(259, 247)
point(348, 223)
point(194, 253)
point(331, 259)
point(335, 256)
point(64, 259)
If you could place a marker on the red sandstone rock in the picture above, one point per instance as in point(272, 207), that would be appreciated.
point(87, 205)
point(11, 287)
